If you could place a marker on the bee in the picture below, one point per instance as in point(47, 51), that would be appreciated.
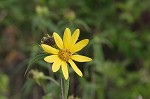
point(48, 40)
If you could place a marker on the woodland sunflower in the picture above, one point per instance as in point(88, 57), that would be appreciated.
point(66, 52)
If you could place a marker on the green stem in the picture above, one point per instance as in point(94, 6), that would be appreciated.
point(44, 87)
point(53, 80)
point(62, 88)
point(66, 84)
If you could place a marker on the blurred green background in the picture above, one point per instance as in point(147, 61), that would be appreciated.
point(119, 33)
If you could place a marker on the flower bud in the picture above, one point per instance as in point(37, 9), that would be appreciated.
point(36, 75)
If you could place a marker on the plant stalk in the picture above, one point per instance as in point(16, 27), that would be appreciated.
point(62, 88)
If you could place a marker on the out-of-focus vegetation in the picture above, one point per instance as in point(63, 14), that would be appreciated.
point(119, 33)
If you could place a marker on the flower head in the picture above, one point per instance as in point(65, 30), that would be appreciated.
point(66, 52)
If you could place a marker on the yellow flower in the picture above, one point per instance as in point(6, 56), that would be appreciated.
point(66, 52)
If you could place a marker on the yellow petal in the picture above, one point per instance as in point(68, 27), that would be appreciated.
point(75, 68)
point(58, 40)
point(74, 37)
point(49, 49)
point(51, 59)
point(80, 58)
point(56, 65)
point(79, 45)
point(66, 38)
point(65, 69)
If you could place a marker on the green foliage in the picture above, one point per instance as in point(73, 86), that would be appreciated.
point(34, 60)
point(4, 80)
point(119, 33)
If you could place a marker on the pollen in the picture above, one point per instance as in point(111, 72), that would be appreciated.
point(64, 54)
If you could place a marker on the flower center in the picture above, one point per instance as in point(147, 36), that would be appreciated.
point(64, 54)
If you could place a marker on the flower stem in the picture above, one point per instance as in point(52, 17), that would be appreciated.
point(53, 80)
point(62, 88)
point(44, 87)
point(66, 84)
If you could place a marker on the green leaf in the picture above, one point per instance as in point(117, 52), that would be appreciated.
point(34, 60)
point(27, 87)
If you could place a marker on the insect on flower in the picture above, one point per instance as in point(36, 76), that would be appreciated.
point(66, 52)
